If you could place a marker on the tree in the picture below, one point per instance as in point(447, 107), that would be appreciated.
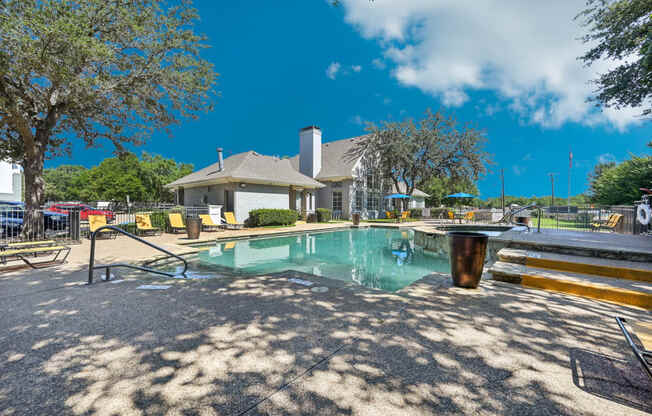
point(114, 178)
point(63, 183)
point(439, 187)
point(623, 32)
point(594, 175)
point(620, 184)
point(94, 70)
point(410, 153)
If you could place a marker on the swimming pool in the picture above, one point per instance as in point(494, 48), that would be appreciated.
point(378, 258)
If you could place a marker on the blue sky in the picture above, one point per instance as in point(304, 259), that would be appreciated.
point(507, 69)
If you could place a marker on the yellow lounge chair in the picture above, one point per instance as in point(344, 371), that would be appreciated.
point(97, 221)
point(231, 223)
point(176, 222)
point(611, 224)
point(469, 216)
point(451, 215)
point(23, 253)
point(207, 223)
point(144, 225)
point(405, 215)
point(388, 214)
point(29, 244)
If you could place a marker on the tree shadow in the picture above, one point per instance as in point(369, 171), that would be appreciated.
point(262, 344)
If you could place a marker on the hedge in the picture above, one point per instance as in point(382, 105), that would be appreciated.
point(324, 214)
point(416, 212)
point(266, 216)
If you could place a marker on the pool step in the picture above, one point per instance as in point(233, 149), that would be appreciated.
point(622, 291)
point(619, 269)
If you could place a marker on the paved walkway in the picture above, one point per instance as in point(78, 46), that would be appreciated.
point(266, 345)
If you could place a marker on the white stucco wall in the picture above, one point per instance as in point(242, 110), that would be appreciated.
point(11, 182)
point(255, 196)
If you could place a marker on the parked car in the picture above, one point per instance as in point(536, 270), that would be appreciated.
point(85, 211)
point(12, 214)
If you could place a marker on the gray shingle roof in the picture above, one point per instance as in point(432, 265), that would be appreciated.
point(415, 192)
point(334, 163)
point(253, 167)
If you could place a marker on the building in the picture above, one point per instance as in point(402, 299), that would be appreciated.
point(322, 175)
point(11, 182)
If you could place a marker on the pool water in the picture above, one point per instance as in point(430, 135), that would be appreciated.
point(377, 258)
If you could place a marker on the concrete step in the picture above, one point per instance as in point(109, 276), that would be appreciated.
point(597, 266)
point(622, 291)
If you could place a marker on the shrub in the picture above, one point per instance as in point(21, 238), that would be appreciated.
point(266, 216)
point(324, 215)
point(416, 212)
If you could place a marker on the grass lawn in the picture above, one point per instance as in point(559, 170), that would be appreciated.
point(553, 223)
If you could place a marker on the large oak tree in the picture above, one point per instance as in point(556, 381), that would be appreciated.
point(94, 70)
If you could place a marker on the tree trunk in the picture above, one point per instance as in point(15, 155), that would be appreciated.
point(33, 225)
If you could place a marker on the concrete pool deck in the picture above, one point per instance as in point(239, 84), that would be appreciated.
point(267, 345)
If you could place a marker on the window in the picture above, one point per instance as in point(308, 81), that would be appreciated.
point(337, 201)
point(373, 201)
point(359, 201)
point(337, 184)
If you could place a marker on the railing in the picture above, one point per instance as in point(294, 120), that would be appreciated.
point(20, 225)
point(91, 262)
point(509, 217)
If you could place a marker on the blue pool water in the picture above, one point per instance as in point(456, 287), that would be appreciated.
point(379, 258)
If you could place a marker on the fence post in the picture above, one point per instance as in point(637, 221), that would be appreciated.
point(74, 217)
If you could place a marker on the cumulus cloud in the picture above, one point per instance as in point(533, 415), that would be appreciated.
point(518, 170)
point(606, 158)
point(333, 69)
point(356, 68)
point(379, 63)
point(525, 52)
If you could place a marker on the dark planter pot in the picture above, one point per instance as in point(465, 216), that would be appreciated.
point(467, 253)
point(523, 220)
point(193, 227)
point(355, 218)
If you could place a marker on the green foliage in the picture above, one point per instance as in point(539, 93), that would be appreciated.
point(114, 178)
point(95, 70)
point(439, 187)
point(416, 212)
point(324, 214)
point(621, 31)
point(266, 216)
point(410, 153)
point(619, 184)
point(542, 201)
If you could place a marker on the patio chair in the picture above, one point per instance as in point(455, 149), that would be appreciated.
point(451, 215)
point(469, 216)
point(643, 331)
point(176, 222)
point(23, 253)
point(388, 214)
point(231, 223)
point(29, 244)
point(97, 221)
point(144, 225)
point(207, 223)
point(611, 224)
point(405, 215)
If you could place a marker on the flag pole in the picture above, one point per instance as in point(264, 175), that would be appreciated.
point(570, 167)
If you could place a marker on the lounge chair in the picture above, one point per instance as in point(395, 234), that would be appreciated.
point(176, 222)
point(405, 215)
point(643, 331)
point(144, 225)
point(469, 216)
point(231, 223)
point(97, 221)
point(207, 223)
point(388, 214)
point(23, 253)
point(611, 224)
point(451, 215)
point(29, 244)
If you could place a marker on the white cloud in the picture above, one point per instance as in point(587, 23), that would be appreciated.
point(528, 157)
point(333, 69)
point(518, 170)
point(525, 52)
point(356, 68)
point(606, 158)
point(379, 63)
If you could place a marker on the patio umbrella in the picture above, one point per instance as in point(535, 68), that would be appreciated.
point(397, 196)
point(460, 195)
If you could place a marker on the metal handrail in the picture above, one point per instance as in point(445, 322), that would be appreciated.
point(511, 214)
point(91, 262)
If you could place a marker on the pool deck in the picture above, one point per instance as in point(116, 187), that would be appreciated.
point(269, 345)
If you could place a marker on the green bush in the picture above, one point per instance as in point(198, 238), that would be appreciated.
point(265, 216)
point(416, 212)
point(324, 214)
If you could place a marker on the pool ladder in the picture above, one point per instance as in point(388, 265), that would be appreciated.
point(92, 267)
